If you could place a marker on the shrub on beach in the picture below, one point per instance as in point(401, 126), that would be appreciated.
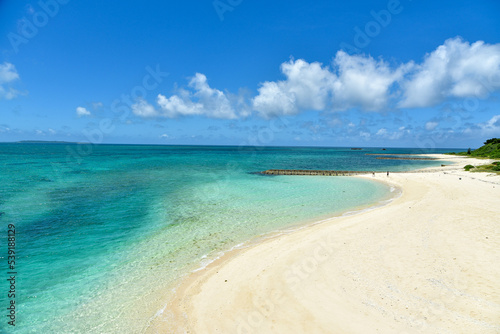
point(491, 168)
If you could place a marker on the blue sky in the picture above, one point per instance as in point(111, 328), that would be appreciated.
point(237, 72)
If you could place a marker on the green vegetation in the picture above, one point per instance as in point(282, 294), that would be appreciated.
point(491, 168)
point(468, 167)
point(492, 141)
point(490, 149)
point(457, 153)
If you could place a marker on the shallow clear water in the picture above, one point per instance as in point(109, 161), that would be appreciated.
point(103, 231)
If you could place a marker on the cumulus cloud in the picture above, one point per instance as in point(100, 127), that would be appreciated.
point(199, 99)
point(8, 74)
point(307, 86)
point(364, 82)
point(81, 111)
point(215, 102)
point(455, 69)
point(143, 109)
point(175, 106)
point(429, 126)
point(353, 81)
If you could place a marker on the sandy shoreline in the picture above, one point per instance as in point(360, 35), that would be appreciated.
point(425, 263)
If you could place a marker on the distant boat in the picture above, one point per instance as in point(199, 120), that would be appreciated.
point(356, 148)
point(384, 149)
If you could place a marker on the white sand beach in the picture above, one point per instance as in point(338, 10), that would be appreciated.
point(427, 262)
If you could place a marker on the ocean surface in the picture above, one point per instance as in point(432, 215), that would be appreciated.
point(104, 231)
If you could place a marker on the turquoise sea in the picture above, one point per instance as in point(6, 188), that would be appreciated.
point(103, 231)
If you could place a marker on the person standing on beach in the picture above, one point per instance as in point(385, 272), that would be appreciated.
point(387, 173)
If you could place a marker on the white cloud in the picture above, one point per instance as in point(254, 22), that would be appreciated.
point(273, 100)
point(215, 102)
point(431, 125)
point(143, 109)
point(307, 86)
point(363, 82)
point(165, 136)
point(354, 81)
point(455, 69)
point(8, 74)
point(81, 111)
point(493, 123)
point(200, 100)
point(395, 135)
point(365, 135)
point(488, 128)
point(8, 93)
point(175, 106)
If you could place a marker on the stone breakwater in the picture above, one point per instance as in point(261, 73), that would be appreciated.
point(400, 158)
point(313, 172)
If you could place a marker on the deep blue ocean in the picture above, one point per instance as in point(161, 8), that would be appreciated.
point(103, 232)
